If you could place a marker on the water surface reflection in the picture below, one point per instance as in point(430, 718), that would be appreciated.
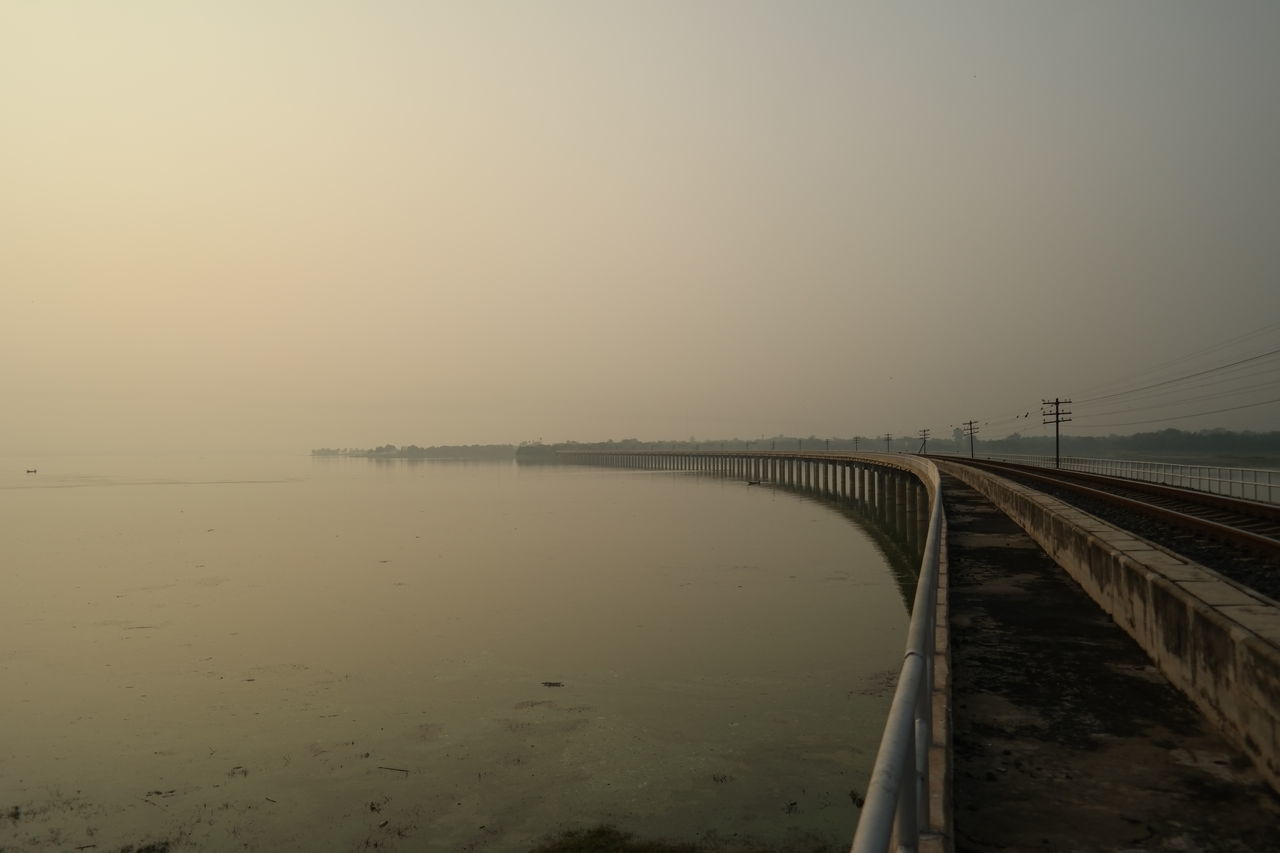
point(336, 654)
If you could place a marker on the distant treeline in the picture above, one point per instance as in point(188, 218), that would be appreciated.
point(413, 451)
point(537, 452)
point(1226, 445)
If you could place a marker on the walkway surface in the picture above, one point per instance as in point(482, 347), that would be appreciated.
point(1067, 738)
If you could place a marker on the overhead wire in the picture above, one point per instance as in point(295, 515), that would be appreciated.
point(1192, 415)
point(1177, 391)
point(1236, 375)
point(1190, 392)
point(1154, 369)
point(1215, 396)
point(1253, 358)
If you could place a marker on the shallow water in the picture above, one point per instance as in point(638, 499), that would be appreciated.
point(339, 654)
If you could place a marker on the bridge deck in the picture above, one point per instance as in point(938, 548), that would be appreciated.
point(1066, 736)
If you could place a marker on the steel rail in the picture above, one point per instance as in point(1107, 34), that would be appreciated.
point(1241, 506)
point(1267, 546)
point(1260, 484)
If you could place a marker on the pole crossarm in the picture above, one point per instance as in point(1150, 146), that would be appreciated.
point(1057, 417)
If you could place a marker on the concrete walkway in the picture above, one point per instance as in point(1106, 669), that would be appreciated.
point(1066, 736)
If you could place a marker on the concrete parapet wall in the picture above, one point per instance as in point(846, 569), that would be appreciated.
point(1217, 642)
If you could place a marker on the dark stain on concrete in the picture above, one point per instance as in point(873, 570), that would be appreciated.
point(1066, 735)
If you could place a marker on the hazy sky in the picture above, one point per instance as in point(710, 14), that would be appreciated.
point(281, 225)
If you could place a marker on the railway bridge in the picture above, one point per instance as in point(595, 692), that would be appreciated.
point(1067, 683)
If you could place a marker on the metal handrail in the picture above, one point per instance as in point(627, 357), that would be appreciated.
point(897, 801)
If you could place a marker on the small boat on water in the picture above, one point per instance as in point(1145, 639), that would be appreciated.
point(31, 470)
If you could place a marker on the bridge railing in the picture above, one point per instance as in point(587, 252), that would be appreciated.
point(1255, 484)
point(896, 809)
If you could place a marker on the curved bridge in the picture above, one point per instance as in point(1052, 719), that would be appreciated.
point(889, 481)
point(908, 802)
point(1217, 643)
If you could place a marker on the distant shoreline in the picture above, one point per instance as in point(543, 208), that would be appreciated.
point(442, 453)
point(1203, 447)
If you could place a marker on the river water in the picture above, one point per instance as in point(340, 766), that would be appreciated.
point(296, 653)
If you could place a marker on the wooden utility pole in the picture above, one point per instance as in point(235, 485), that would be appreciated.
point(924, 441)
point(888, 437)
point(970, 430)
point(1056, 418)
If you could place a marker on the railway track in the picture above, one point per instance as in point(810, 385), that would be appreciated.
point(1238, 538)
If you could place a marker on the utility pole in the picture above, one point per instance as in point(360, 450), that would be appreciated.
point(970, 430)
point(828, 445)
point(924, 441)
point(1056, 418)
point(855, 444)
point(888, 437)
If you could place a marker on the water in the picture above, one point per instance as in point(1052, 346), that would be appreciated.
point(339, 654)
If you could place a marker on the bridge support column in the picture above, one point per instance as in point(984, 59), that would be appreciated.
point(877, 493)
point(910, 505)
point(926, 507)
point(894, 498)
point(901, 502)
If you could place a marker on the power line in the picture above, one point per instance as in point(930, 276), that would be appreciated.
point(1219, 395)
point(1214, 382)
point(1195, 415)
point(1152, 390)
point(1205, 351)
point(1182, 378)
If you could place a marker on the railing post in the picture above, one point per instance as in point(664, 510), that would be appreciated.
point(907, 829)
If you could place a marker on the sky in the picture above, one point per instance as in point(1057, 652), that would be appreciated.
point(284, 224)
